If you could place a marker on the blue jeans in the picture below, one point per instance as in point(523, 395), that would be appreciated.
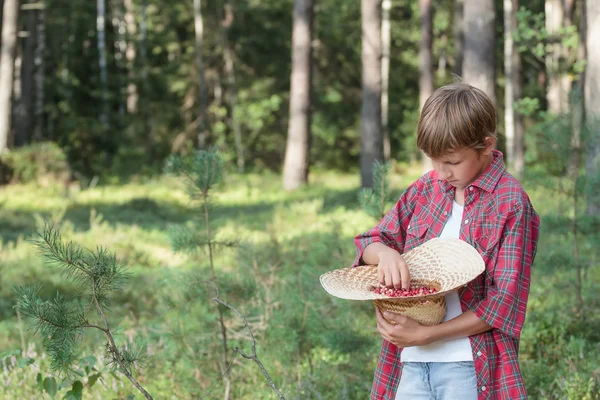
point(437, 381)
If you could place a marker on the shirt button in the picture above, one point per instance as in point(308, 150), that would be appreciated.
point(471, 188)
point(445, 212)
point(466, 221)
point(483, 388)
point(409, 227)
point(478, 354)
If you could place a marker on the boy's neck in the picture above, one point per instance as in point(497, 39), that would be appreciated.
point(459, 196)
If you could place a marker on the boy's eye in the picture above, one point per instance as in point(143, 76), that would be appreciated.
point(453, 163)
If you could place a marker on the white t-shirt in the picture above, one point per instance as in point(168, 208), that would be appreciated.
point(445, 350)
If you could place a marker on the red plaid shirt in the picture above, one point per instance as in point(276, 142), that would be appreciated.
point(500, 222)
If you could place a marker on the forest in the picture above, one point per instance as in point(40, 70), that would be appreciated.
point(202, 162)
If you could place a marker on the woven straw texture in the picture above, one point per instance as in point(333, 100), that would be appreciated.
point(428, 312)
point(444, 264)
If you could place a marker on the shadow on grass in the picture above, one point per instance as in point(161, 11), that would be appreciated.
point(152, 215)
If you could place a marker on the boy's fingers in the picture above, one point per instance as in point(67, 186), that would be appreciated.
point(396, 278)
point(380, 276)
point(388, 278)
point(405, 276)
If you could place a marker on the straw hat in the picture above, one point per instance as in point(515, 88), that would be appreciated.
point(443, 264)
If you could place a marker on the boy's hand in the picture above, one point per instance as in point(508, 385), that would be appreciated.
point(392, 270)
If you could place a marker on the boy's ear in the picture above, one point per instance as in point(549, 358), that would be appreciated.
point(490, 145)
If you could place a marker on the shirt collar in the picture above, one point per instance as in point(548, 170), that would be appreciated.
point(487, 180)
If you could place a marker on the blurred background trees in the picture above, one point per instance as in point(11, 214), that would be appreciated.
point(119, 85)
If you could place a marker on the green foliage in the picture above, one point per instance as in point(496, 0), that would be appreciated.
point(374, 200)
point(315, 346)
point(532, 37)
point(36, 163)
point(60, 323)
point(203, 170)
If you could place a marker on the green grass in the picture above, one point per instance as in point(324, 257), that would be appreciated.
point(314, 346)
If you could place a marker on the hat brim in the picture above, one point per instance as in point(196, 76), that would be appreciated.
point(446, 264)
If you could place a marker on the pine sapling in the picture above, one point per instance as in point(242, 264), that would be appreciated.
point(202, 171)
point(60, 322)
point(373, 200)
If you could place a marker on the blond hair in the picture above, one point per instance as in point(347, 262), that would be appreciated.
point(455, 116)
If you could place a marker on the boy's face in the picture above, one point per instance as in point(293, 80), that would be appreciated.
point(461, 167)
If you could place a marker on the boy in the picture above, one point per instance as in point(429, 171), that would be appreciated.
point(469, 195)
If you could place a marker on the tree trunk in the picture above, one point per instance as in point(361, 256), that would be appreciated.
point(386, 6)
point(426, 62)
point(120, 49)
point(459, 37)
point(480, 44)
point(101, 29)
point(517, 85)
point(17, 99)
point(509, 96)
point(592, 104)
point(199, 28)
point(23, 120)
point(130, 55)
point(107, 140)
point(558, 82)
point(145, 91)
point(295, 170)
point(7, 67)
point(40, 74)
point(371, 135)
point(232, 87)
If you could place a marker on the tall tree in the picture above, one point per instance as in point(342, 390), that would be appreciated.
point(480, 45)
point(517, 93)
point(459, 36)
point(101, 32)
point(130, 55)
point(513, 128)
point(426, 62)
point(592, 103)
point(295, 169)
point(7, 67)
point(371, 144)
point(199, 29)
point(386, 6)
point(558, 82)
point(228, 56)
point(40, 72)
point(24, 120)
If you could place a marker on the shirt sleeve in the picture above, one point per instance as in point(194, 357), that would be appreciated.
point(391, 230)
point(506, 299)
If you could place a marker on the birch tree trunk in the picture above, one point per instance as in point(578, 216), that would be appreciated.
point(145, 91)
point(459, 37)
point(199, 29)
point(480, 44)
point(558, 82)
point(7, 67)
point(296, 164)
point(426, 62)
point(517, 86)
point(386, 6)
point(371, 135)
point(592, 104)
point(101, 29)
point(130, 55)
point(120, 48)
point(509, 96)
point(232, 86)
point(25, 108)
point(40, 73)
